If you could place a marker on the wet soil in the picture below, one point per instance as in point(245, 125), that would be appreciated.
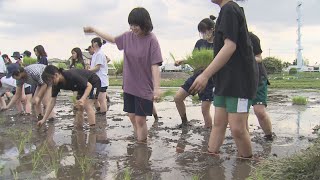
point(109, 151)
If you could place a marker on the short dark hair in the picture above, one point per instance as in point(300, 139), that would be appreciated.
point(41, 51)
point(141, 17)
point(206, 24)
point(49, 72)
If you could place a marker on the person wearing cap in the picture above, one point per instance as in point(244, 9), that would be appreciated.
point(9, 85)
point(17, 57)
point(30, 75)
point(90, 50)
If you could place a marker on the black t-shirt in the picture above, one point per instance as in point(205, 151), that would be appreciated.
point(43, 60)
point(257, 50)
point(203, 44)
point(76, 80)
point(239, 76)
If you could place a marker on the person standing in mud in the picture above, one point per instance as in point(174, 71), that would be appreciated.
point(77, 59)
point(206, 28)
point(99, 65)
point(141, 74)
point(30, 75)
point(260, 102)
point(236, 78)
point(85, 82)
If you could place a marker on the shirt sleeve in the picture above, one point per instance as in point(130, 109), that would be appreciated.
point(119, 40)
point(230, 25)
point(156, 57)
point(100, 59)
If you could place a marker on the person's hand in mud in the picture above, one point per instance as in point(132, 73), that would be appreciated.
point(40, 123)
point(3, 108)
point(156, 95)
point(79, 104)
point(199, 84)
point(88, 29)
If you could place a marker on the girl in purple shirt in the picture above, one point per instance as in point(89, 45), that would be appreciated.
point(141, 75)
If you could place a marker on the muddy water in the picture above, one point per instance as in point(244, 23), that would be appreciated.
point(59, 151)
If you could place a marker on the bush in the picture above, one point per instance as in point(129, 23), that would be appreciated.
point(200, 58)
point(273, 65)
point(118, 65)
point(293, 71)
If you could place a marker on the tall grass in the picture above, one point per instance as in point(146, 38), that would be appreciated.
point(118, 65)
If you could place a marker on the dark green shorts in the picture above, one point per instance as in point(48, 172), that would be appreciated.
point(262, 94)
point(232, 104)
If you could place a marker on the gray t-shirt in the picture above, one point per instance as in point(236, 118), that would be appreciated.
point(140, 53)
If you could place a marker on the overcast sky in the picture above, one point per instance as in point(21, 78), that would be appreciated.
point(57, 25)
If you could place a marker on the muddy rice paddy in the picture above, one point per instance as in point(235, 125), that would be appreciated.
point(58, 151)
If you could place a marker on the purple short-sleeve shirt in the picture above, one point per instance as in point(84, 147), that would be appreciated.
point(140, 53)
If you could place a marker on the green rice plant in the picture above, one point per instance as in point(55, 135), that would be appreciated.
point(1, 169)
point(195, 177)
point(15, 174)
point(24, 138)
point(55, 160)
point(29, 60)
point(127, 174)
point(199, 59)
point(84, 162)
point(37, 158)
point(118, 65)
point(2, 120)
point(299, 100)
point(62, 65)
point(79, 66)
point(73, 99)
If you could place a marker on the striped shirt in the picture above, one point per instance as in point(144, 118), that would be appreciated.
point(34, 72)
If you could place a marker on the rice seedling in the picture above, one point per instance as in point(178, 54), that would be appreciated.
point(299, 100)
point(15, 174)
point(195, 177)
point(127, 174)
point(199, 59)
point(84, 163)
point(37, 158)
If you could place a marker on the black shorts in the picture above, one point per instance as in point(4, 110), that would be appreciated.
point(104, 89)
point(206, 94)
point(28, 90)
point(137, 105)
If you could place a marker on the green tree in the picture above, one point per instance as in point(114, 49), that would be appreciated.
point(273, 65)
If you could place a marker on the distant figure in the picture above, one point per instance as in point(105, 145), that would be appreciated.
point(6, 59)
point(77, 59)
point(41, 54)
point(17, 57)
point(27, 59)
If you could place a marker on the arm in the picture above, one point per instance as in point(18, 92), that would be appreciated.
point(96, 68)
point(16, 96)
point(156, 81)
point(42, 90)
point(48, 111)
point(104, 36)
point(258, 58)
point(218, 62)
point(86, 92)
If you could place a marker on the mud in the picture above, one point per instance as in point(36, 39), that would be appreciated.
point(109, 151)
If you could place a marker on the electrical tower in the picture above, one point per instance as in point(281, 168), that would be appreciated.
point(299, 50)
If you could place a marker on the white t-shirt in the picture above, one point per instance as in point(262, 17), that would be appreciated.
point(9, 84)
point(3, 68)
point(100, 58)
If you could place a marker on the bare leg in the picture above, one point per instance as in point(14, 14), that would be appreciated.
point(132, 118)
point(205, 107)
point(142, 129)
point(102, 101)
point(238, 125)
point(181, 107)
point(219, 130)
point(263, 118)
point(88, 107)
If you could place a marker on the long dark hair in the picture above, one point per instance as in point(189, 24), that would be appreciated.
point(41, 51)
point(79, 58)
point(5, 56)
point(206, 24)
point(141, 17)
point(49, 72)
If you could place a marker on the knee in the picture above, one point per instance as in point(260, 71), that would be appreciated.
point(177, 98)
point(238, 132)
point(260, 113)
point(140, 122)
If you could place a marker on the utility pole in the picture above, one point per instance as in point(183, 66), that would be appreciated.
point(299, 50)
